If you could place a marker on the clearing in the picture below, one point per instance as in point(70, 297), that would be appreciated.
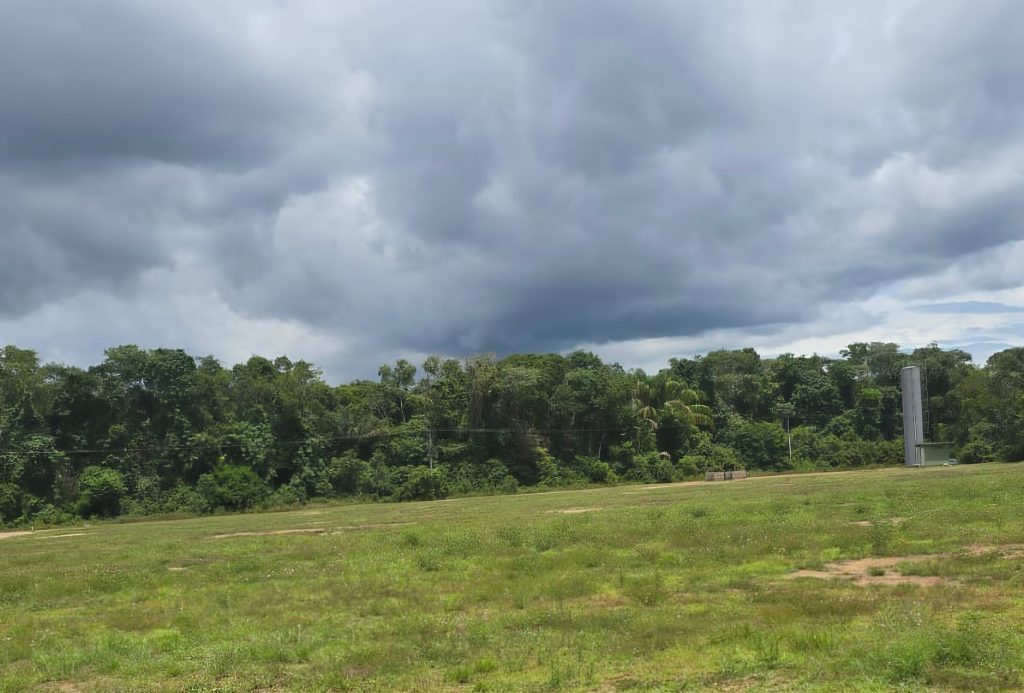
point(872, 580)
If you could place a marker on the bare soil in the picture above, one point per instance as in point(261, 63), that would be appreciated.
point(312, 530)
point(874, 571)
point(871, 523)
point(1007, 551)
point(9, 535)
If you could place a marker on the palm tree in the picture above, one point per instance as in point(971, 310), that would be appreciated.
point(645, 406)
point(686, 404)
point(652, 397)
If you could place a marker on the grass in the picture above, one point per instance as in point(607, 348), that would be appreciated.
point(676, 587)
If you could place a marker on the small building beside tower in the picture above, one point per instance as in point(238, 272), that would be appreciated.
point(917, 452)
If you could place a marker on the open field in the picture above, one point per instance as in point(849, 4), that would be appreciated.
point(684, 586)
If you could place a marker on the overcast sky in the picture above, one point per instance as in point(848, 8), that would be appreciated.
point(352, 182)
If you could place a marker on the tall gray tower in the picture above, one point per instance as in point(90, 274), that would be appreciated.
point(913, 416)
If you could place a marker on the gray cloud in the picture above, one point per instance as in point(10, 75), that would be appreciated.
point(507, 175)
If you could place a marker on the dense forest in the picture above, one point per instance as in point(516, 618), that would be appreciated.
point(159, 431)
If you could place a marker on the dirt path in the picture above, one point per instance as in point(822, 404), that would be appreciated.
point(8, 535)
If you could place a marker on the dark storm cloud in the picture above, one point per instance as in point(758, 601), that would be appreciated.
point(508, 175)
point(100, 79)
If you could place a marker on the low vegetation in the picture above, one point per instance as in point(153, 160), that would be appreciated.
point(664, 587)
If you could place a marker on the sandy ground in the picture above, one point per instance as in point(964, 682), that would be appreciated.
point(8, 535)
point(875, 571)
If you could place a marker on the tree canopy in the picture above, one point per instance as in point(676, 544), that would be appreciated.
point(158, 430)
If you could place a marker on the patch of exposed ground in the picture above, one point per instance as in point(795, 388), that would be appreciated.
point(371, 525)
point(9, 535)
point(1007, 551)
point(59, 536)
point(312, 530)
point(573, 511)
point(871, 523)
point(874, 571)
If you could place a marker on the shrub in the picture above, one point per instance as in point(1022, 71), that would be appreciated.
point(664, 471)
point(100, 492)
point(977, 449)
point(592, 468)
point(346, 472)
point(722, 458)
point(422, 483)
point(289, 495)
point(10, 502)
point(509, 485)
point(50, 515)
point(689, 465)
point(184, 499)
point(231, 487)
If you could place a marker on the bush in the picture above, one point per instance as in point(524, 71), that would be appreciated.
point(50, 515)
point(231, 487)
point(467, 477)
point(146, 498)
point(592, 468)
point(184, 499)
point(100, 492)
point(652, 467)
point(289, 495)
point(977, 449)
point(689, 465)
point(346, 472)
point(509, 485)
point(664, 470)
point(422, 483)
point(722, 458)
point(10, 502)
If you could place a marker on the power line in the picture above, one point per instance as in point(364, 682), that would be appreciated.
point(300, 442)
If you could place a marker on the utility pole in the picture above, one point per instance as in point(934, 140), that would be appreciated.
point(789, 435)
point(786, 410)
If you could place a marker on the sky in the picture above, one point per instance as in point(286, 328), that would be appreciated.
point(354, 182)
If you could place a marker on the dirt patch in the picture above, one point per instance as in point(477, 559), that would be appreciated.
point(312, 530)
point(357, 672)
point(573, 511)
point(371, 525)
point(10, 535)
point(874, 571)
point(177, 568)
point(60, 536)
point(1007, 551)
point(872, 523)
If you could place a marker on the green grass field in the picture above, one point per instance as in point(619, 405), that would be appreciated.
point(673, 587)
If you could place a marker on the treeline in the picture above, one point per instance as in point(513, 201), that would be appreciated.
point(159, 431)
